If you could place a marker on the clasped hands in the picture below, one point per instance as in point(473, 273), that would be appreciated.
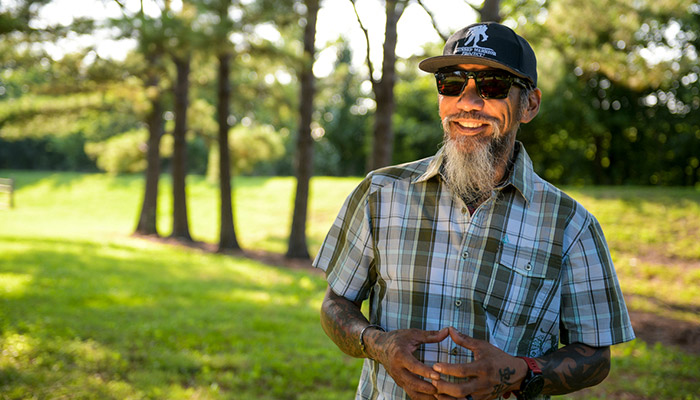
point(491, 374)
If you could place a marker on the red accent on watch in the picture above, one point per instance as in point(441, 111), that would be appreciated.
point(532, 364)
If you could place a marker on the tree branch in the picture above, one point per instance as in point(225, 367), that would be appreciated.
point(366, 32)
point(433, 21)
point(475, 8)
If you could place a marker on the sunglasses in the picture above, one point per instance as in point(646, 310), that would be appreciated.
point(489, 84)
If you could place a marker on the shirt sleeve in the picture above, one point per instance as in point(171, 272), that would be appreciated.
point(593, 310)
point(347, 253)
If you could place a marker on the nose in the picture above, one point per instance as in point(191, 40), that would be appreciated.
point(469, 99)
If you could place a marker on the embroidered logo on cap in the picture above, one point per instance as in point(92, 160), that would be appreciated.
point(469, 46)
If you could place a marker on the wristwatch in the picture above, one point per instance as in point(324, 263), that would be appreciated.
point(533, 383)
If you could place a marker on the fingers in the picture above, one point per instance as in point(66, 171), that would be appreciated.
point(417, 367)
point(464, 340)
point(436, 336)
point(453, 390)
point(456, 370)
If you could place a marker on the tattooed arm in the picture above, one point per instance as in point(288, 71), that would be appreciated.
point(342, 320)
point(494, 373)
point(574, 367)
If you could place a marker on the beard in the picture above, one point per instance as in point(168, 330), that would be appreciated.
point(471, 162)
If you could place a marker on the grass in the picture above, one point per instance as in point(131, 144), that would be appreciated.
point(88, 312)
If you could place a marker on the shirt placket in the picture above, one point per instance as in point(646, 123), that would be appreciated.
point(463, 301)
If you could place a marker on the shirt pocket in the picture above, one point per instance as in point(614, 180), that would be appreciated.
point(523, 285)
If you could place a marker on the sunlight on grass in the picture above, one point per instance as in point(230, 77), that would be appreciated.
point(88, 312)
point(13, 284)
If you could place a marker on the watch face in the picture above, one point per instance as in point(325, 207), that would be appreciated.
point(533, 387)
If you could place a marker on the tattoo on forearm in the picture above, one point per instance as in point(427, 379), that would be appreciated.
point(340, 316)
point(575, 367)
point(500, 388)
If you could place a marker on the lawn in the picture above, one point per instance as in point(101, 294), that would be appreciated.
point(89, 312)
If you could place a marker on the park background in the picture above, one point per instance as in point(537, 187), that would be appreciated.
point(130, 269)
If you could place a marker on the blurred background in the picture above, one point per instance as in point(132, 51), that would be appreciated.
point(168, 169)
point(79, 79)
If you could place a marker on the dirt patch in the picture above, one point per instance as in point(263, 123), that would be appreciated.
point(653, 328)
point(658, 256)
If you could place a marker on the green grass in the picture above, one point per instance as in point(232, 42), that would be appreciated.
point(88, 312)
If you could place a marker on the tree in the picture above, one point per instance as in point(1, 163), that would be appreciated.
point(227, 231)
point(383, 88)
point(489, 11)
point(151, 43)
point(181, 54)
point(147, 222)
point(304, 154)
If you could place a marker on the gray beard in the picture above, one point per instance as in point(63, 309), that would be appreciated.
point(470, 170)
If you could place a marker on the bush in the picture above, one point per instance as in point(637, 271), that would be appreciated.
point(250, 147)
point(122, 153)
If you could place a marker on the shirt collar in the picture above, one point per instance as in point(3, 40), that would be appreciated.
point(521, 175)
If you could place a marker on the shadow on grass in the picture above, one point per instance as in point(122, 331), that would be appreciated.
point(94, 320)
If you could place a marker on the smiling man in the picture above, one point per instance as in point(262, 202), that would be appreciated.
point(474, 267)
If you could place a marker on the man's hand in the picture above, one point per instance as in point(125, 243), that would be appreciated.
point(394, 350)
point(491, 374)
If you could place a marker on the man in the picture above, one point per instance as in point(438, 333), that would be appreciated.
point(475, 268)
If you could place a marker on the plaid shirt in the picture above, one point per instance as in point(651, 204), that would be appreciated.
point(528, 269)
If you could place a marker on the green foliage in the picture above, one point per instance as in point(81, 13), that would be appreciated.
point(120, 154)
point(249, 146)
point(343, 149)
point(620, 82)
point(417, 128)
point(620, 90)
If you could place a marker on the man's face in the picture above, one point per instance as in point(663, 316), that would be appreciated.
point(480, 135)
point(470, 120)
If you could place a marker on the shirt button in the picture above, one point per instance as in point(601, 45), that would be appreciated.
point(454, 351)
point(465, 254)
point(458, 303)
point(464, 210)
point(528, 266)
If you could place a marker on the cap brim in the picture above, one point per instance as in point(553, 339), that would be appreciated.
point(433, 64)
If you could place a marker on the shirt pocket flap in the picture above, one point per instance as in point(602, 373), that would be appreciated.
point(530, 262)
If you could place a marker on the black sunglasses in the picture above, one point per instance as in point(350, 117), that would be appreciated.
point(489, 84)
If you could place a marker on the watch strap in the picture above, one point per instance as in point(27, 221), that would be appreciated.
point(533, 369)
point(532, 365)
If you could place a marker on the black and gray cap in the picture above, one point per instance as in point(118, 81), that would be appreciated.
point(487, 43)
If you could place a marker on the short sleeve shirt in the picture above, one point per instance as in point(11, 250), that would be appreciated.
point(528, 269)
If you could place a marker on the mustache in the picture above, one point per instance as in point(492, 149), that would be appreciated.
point(475, 115)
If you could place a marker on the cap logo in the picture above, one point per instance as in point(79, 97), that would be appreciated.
point(469, 46)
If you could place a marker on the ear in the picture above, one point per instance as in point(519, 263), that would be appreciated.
point(533, 106)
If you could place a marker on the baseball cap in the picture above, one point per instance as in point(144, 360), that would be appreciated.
point(487, 43)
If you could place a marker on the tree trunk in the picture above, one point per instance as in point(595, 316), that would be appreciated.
point(490, 11)
point(227, 232)
point(181, 228)
point(382, 148)
point(147, 219)
point(304, 157)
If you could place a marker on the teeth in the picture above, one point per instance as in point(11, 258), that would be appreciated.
point(471, 124)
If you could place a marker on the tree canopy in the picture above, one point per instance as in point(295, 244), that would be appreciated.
point(619, 80)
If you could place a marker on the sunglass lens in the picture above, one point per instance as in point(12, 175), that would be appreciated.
point(450, 84)
point(494, 86)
